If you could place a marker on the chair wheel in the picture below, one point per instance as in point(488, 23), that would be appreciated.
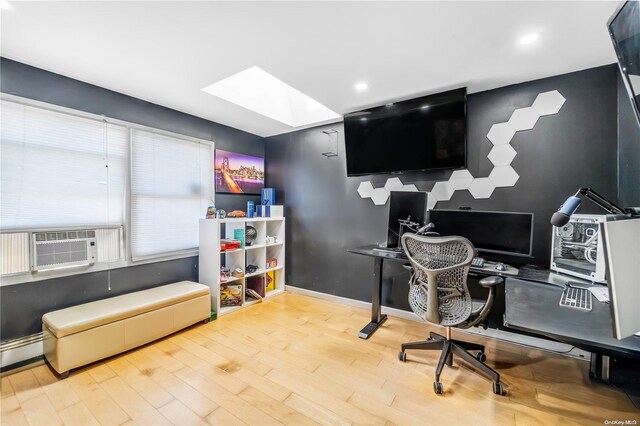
point(437, 387)
point(498, 389)
point(402, 356)
point(481, 356)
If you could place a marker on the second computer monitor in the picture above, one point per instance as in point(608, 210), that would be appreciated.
point(405, 206)
point(490, 232)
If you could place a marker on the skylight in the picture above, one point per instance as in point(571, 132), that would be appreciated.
point(259, 91)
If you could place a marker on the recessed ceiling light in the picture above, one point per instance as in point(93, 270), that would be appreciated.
point(362, 86)
point(5, 5)
point(529, 38)
point(261, 92)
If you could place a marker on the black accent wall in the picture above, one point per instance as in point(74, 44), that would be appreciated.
point(325, 215)
point(22, 305)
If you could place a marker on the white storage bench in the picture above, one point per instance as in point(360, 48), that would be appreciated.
point(82, 334)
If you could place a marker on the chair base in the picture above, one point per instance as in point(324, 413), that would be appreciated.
point(461, 349)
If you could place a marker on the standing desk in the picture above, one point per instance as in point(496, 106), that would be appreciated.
point(379, 256)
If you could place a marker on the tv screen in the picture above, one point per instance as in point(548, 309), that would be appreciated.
point(489, 232)
point(238, 173)
point(624, 28)
point(419, 134)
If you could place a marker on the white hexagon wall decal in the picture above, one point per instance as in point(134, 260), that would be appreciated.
point(431, 201)
point(502, 155)
point(524, 119)
point(365, 189)
point(503, 176)
point(409, 188)
point(442, 191)
point(460, 179)
point(380, 196)
point(548, 102)
point(481, 188)
point(501, 133)
point(393, 184)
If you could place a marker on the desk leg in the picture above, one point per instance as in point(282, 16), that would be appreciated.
point(376, 308)
point(599, 367)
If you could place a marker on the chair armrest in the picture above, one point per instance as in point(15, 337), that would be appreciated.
point(491, 282)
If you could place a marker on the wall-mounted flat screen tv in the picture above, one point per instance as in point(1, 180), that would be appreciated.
point(419, 134)
point(624, 28)
point(238, 173)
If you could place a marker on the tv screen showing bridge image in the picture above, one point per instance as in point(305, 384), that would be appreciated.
point(238, 173)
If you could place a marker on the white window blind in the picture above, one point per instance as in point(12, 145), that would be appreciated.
point(58, 169)
point(171, 186)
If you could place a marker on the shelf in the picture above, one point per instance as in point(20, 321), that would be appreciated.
point(272, 293)
point(226, 309)
point(251, 301)
point(211, 233)
point(231, 251)
point(230, 219)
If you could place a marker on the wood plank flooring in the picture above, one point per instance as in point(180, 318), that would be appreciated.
point(297, 360)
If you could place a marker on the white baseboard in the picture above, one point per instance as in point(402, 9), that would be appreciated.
point(518, 339)
point(20, 350)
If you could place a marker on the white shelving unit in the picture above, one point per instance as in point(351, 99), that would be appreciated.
point(212, 259)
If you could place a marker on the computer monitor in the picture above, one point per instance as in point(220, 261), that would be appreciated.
point(490, 232)
point(404, 206)
point(621, 238)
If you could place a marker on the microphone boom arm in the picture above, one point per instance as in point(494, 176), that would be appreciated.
point(603, 202)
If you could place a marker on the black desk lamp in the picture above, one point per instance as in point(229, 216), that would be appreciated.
point(561, 217)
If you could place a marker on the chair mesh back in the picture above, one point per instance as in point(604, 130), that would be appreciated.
point(445, 260)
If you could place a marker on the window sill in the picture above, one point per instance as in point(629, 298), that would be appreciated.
point(28, 277)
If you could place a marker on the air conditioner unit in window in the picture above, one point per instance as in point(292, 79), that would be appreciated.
point(57, 249)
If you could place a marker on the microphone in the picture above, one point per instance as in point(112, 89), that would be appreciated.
point(427, 228)
point(561, 217)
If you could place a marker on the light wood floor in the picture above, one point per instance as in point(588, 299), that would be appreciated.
point(298, 360)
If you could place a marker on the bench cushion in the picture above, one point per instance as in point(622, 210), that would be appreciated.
point(94, 314)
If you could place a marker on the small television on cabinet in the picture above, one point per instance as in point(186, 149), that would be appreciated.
point(624, 29)
point(425, 133)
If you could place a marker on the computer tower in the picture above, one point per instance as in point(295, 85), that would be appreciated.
point(576, 248)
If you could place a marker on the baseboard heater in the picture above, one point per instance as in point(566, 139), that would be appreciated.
point(17, 352)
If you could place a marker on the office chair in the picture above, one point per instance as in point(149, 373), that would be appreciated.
point(439, 294)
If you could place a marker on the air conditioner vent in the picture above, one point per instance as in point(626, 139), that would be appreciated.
point(63, 248)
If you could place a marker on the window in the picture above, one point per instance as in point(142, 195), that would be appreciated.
point(139, 188)
point(171, 186)
point(60, 170)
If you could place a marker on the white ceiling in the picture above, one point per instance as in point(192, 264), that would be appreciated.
point(166, 52)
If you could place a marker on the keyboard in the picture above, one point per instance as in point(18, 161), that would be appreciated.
point(389, 249)
point(477, 262)
point(578, 298)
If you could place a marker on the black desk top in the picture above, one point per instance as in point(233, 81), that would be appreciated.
point(534, 307)
point(399, 256)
